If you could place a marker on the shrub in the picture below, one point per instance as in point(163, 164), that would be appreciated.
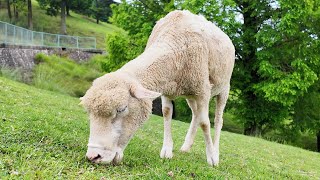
point(119, 51)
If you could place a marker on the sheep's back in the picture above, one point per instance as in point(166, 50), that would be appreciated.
point(193, 38)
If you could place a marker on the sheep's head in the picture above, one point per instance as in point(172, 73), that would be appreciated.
point(117, 106)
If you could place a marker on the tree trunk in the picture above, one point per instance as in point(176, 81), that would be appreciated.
point(63, 18)
point(30, 25)
point(253, 125)
point(318, 141)
point(252, 129)
point(15, 12)
point(9, 10)
point(97, 20)
point(68, 9)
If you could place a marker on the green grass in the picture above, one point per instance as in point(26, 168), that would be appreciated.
point(77, 25)
point(44, 136)
point(64, 75)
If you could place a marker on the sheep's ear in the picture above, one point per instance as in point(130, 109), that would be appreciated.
point(141, 93)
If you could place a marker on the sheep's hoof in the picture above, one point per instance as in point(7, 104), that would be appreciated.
point(185, 148)
point(166, 152)
point(213, 160)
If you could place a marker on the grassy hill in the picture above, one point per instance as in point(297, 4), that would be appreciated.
point(44, 136)
point(77, 25)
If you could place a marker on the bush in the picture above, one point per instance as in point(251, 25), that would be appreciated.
point(63, 75)
point(119, 50)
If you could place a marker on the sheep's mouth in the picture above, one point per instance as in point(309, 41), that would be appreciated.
point(97, 159)
point(114, 161)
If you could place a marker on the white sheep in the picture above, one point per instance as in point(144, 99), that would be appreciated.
point(187, 56)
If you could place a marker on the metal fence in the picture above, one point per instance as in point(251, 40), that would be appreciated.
point(14, 35)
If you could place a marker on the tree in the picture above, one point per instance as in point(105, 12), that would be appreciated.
point(100, 9)
point(80, 6)
point(63, 17)
point(288, 56)
point(68, 4)
point(15, 10)
point(53, 8)
point(30, 25)
point(9, 10)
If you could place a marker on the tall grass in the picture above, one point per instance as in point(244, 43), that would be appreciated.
point(63, 75)
point(10, 73)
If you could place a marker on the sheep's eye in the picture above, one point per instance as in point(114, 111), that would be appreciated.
point(121, 109)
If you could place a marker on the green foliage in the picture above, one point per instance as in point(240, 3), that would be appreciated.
point(287, 87)
point(137, 18)
point(289, 54)
point(52, 7)
point(44, 135)
point(100, 9)
point(81, 6)
point(63, 75)
point(307, 113)
point(118, 51)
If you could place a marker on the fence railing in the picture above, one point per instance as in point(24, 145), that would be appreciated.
point(15, 35)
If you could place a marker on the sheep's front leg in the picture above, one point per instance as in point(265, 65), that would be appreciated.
point(167, 108)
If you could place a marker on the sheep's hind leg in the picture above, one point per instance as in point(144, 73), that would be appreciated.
point(189, 140)
point(202, 115)
point(221, 101)
point(167, 108)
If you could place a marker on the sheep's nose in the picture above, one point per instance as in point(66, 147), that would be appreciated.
point(92, 156)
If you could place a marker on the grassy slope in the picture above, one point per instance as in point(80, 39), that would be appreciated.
point(77, 25)
point(44, 135)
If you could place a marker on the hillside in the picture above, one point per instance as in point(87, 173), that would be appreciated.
point(77, 25)
point(44, 135)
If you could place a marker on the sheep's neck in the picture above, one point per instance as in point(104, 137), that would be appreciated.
point(152, 69)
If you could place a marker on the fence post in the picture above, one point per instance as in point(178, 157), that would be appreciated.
point(14, 34)
point(6, 32)
point(78, 42)
point(32, 38)
point(58, 40)
point(21, 40)
point(42, 43)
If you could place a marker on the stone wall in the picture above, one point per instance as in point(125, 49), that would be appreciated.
point(22, 57)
